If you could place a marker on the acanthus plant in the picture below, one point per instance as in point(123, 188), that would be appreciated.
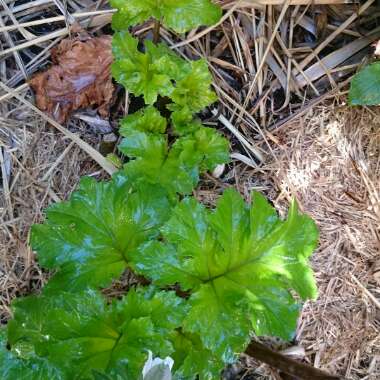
point(216, 277)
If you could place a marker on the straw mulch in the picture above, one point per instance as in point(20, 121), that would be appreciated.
point(329, 161)
point(43, 167)
point(274, 66)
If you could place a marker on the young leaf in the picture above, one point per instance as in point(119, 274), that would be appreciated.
point(193, 89)
point(147, 119)
point(365, 87)
point(239, 263)
point(176, 169)
point(179, 15)
point(159, 71)
point(12, 367)
point(213, 146)
point(183, 121)
point(192, 359)
point(89, 238)
point(166, 60)
point(79, 333)
point(142, 73)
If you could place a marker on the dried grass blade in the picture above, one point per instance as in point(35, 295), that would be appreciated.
point(238, 135)
point(93, 153)
point(335, 58)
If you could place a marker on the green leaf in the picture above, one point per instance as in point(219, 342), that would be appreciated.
point(147, 119)
point(192, 359)
point(141, 73)
point(179, 15)
point(79, 333)
point(176, 169)
point(193, 90)
point(213, 146)
point(239, 263)
point(183, 121)
point(13, 367)
point(159, 71)
point(365, 87)
point(89, 238)
point(166, 60)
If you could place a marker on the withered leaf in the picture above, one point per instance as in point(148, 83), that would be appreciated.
point(80, 77)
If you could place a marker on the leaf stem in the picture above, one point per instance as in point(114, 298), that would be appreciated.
point(156, 31)
point(286, 364)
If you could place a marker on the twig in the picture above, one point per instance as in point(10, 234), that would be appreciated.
point(343, 26)
point(156, 31)
point(286, 364)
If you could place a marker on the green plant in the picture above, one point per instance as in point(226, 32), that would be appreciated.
point(216, 277)
point(365, 86)
point(179, 15)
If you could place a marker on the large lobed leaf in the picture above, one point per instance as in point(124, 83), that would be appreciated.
point(80, 334)
point(176, 168)
point(179, 15)
point(239, 263)
point(365, 87)
point(89, 238)
point(159, 71)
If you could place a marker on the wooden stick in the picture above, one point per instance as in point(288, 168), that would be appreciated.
point(286, 364)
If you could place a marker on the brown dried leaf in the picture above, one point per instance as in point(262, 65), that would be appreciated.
point(80, 77)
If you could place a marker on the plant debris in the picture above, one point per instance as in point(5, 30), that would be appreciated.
point(80, 77)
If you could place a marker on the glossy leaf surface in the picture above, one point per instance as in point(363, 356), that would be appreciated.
point(238, 263)
point(179, 15)
point(176, 168)
point(142, 73)
point(146, 120)
point(192, 359)
point(159, 71)
point(213, 147)
point(365, 87)
point(13, 367)
point(79, 333)
point(88, 239)
point(193, 89)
